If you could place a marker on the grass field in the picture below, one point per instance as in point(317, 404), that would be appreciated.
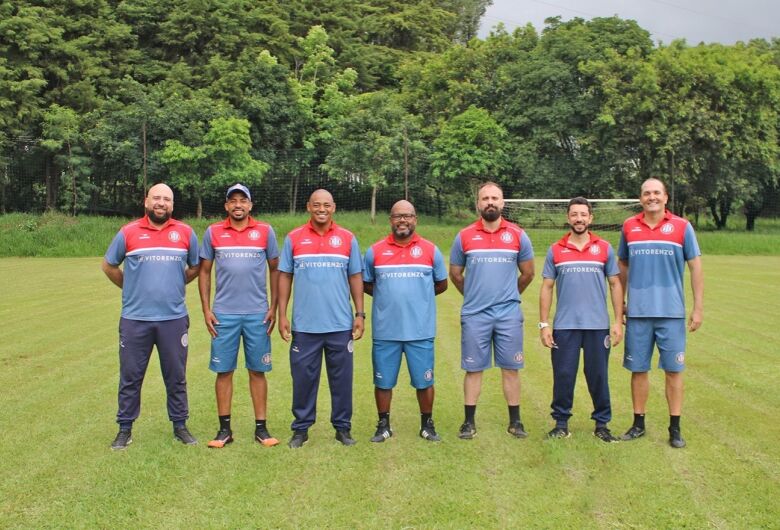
point(58, 352)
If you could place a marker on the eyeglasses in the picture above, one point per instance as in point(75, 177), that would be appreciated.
point(402, 216)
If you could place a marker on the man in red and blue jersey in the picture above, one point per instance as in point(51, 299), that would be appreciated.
point(242, 248)
point(490, 252)
point(324, 259)
point(160, 257)
point(577, 265)
point(404, 273)
point(655, 246)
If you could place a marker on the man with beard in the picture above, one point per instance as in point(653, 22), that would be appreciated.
point(241, 247)
point(490, 252)
point(325, 261)
point(655, 245)
point(404, 273)
point(160, 257)
point(577, 266)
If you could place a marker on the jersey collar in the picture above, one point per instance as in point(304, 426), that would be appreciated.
point(391, 241)
point(479, 225)
point(592, 240)
point(250, 224)
point(310, 226)
point(145, 223)
point(640, 217)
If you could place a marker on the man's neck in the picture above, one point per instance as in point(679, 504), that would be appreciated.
point(156, 225)
point(321, 229)
point(652, 219)
point(579, 240)
point(402, 242)
point(492, 226)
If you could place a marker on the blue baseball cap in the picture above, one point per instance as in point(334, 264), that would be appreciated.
point(238, 187)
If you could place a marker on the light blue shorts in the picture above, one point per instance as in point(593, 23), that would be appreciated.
point(386, 356)
point(644, 333)
point(501, 329)
point(257, 343)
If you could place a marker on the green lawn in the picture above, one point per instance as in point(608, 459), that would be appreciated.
point(58, 350)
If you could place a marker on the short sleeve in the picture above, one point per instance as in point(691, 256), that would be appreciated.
point(207, 249)
point(286, 258)
point(116, 250)
point(549, 266)
point(368, 269)
point(192, 253)
point(526, 249)
point(457, 256)
point(439, 269)
point(355, 259)
point(611, 267)
point(271, 247)
point(690, 244)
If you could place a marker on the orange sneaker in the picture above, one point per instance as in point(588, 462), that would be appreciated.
point(263, 437)
point(222, 438)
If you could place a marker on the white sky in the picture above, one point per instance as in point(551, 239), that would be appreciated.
point(724, 21)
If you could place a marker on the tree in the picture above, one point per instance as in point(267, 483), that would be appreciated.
point(471, 147)
point(370, 140)
point(222, 158)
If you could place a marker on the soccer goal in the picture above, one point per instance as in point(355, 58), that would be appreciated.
point(608, 214)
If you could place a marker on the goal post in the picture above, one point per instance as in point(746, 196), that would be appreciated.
point(608, 214)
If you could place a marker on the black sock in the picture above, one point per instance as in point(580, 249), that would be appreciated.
point(224, 423)
point(639, 421)
point(674, 423)
point(471, 410)
point(179, 424)
point(259, 425)
point(126, 426)
point(424, 417)
point(514, 413)
point(384, 416)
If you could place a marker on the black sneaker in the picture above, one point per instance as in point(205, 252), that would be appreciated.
point(263, 437)
point(559, 432)
point(383, 431)
point(603, 434)
point(123, 439)
point(467, 431)
point(633, 433)
point(298, 439)
point(223, 437)
point(516, 429)
point(676, 439)
point(184, 436)
point(429, 432)
point(345, 437)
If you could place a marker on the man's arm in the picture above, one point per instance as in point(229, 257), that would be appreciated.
point(114, 273)
point(284, 287)
point(545, 302)
point(356, 290)
point(527, 272)
point(440, 286)
point(697, 286)
point(273, 275)
point(368, 288)
point(616, 293)
point(191, 272)
point(623, 276)
point(204, 289)
point(456, 275)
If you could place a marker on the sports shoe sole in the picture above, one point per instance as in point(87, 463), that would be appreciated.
point(219, 444)
point(123, 447)
point(267, 442)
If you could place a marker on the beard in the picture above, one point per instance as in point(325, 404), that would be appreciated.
point(158, 219)
point(490, 214)
point(579, 229)
point(403, 232)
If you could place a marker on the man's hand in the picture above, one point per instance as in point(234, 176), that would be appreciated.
point(545, 334)
point(211, 321)
point(357, 328)
point(616, 333)
point(270, 319)
point(695, 320)
point(284, 328)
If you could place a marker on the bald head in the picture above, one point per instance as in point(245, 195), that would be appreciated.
point(402, 206)
point(159, 204)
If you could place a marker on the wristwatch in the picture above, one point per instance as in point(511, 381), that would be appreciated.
point(360, 314)
point(543, 325)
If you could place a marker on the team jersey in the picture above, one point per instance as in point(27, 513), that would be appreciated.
point(580, 287)
point(240, 257)
point(491, 260)
point(155, 261)
point(321, 266)
point(404, 307)
point(656, 264)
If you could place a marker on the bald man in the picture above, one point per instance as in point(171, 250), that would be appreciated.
point(160, 257)
point(404, 273)
point(324, 259)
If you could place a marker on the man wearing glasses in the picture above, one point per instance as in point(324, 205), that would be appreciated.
point(404, 273)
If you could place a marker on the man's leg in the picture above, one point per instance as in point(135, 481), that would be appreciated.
point(472, 387)
point(383, 398)
point(425, 400)
point(639, 344)
point(510, 381)
point(640, 390)
point(674, 392)
point(305, 366)
point(596, 348)
point(224, 390)
point(339, 365)
point(565, 363)
point(136, 340)
point(172, 341)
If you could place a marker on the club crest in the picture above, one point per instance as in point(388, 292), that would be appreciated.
point(335, 241)
point(254, 235)
point(416, 251)
point(507, 237)
point(174, 236)
point(667, 228)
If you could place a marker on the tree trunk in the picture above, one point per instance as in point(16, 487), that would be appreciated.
point(73, 179)
point(438, 203)
point(373, 204)
point(199, 208)
point(51, 186)
point(294, 194)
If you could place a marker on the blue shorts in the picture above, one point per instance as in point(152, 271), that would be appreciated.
point(257, 343)
point(386, 356)
point(500, 328)
point(643, 333)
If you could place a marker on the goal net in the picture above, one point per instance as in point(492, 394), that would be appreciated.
point(608, 214)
